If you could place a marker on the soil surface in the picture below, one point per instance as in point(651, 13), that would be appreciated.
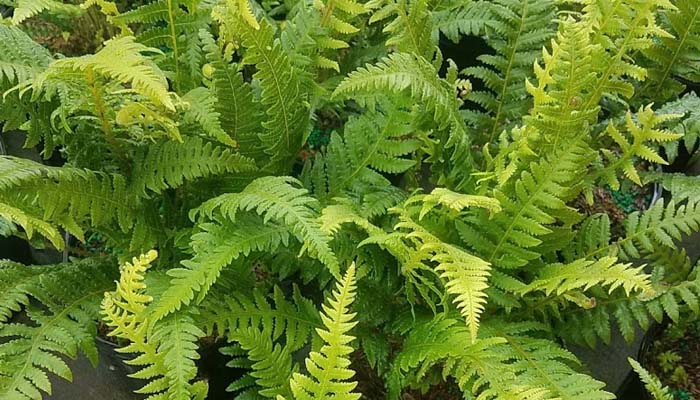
point(675, 358)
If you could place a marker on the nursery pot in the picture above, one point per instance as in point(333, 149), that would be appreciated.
point(633, 387)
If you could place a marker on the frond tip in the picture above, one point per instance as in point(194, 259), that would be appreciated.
point(166, 352)
point(329, 367)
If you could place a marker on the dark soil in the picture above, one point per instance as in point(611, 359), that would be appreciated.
point(675, 358)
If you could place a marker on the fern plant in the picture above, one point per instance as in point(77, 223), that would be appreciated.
point(442, 214)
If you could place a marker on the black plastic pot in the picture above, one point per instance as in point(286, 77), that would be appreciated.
point(107, 381)
point(633, 387)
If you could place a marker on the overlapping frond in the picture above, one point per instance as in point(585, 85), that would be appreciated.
point(674, 57)
point(165, 351)
point(586, 326)
point(371, 144)
point(270, 364)
point(279, 198)
point(66, 197)
point(329, 375)
point(169, 164)
point(512, 361)
point(282, 94)
point(61, 323)
point(21, 58)
point(172, 24)
point(410, 25)
point(466, 276)
point(530, 206)
point(517, 31)
point(659, 226)
point(292, 320)
point(404, 73)
point(121, 59)
point(216, 245)
point(239, 115)
point(621, 29)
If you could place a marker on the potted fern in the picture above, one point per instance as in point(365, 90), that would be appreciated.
point(432, 247)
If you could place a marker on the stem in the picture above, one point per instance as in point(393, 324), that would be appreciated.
point(101, 113)
point(176, 51)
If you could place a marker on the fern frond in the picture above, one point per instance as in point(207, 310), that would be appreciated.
point(282, 95)
point(564, 78)
point(172, 24)
point(470, 18)
point(403, 73)
point(586, 326)
point(279, 198)
point(645, 137)
point(239, 115)
point(434, 342)
point(651, 383)
point(169, 164)
point(660, 225)
point(217, 245)
point(688, 125)
point(292, 320)
point(167, 352)
point(621, 30)
point(67, 197)
point(329, 375)
point(32, 224)
point(456, 202)
point(21, 58)
point(202, 111)
point(123, 60)
point(63, 323)
point(371, 144)
point(466, 276)
point(530, 206)
point(672, 56)
point(271, 363)
point(517, 32)
point(555, 371)
point(26, 9)
point(584, 274)
point(338, 16)
point(411, 30)
point(510, 362)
